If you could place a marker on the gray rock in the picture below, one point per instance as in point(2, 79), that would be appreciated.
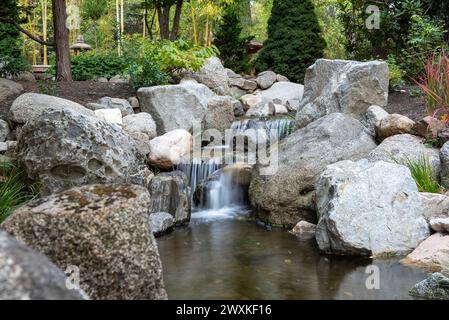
point(368, 208)
point(134, 102)
point(117, 103)
point(444, 156)
point(102, 79)
point(436, 211)
point(161, 222)
point(435, 287)
point(348, 87)
point(292, 105)
point(119, 79)
point(213, 75)
point(237, 107)
point(63, 149)
point(3, 147)
point(102, 230)
point(281, 78)
point(266, 79)
point(304, 230)
point(242, 83)
point(170, 149)
point(372, 118)
point(283, 92)
point(24, 76)
point(170, 192)
point(236, 92)
point(400, 147)
point(286, 196)
point(9, 88)
point(141, 122)
point(4, 130)
point(261, 110)
point(250, 100)
point(175, 106)
point(28, 275)
point(141, 127)
point(29, 106)
point(220, 113)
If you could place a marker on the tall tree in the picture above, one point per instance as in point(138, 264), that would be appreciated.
point(294, 40)
point(61, 41)
point(163, 9)
point(94, 10)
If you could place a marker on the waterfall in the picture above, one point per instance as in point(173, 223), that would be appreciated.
point(283, 127)
point(198, 170)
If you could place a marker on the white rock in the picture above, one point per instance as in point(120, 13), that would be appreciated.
point(280, 109)
point(169, 149)
point(281, 92)
point(368, 209)
point(140, 122)
point(250, 100)
point(110, 115)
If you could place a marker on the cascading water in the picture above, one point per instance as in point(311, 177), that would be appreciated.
point(281, 127)
point(198, 170)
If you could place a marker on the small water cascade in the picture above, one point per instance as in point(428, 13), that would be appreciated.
point(282, 127)
point(198, 170)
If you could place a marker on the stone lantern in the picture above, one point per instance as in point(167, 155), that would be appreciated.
point(80, 45)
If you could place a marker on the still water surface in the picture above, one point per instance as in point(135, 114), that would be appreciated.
point(224, 255)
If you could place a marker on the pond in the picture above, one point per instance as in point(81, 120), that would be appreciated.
point(224, 254)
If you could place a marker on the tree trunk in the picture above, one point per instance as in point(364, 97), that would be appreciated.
point(176, 20)
point(61, 34)
point(163, 15)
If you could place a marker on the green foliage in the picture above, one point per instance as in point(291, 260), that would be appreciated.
point(294, 39)
point(327, 12)
point(422, 174)
point(147, 74)
point(11, 61)
point(231, 44)
point(396, 73)
point(170, 56)
point(90, 65)
point(94, 9)
point(13, 190)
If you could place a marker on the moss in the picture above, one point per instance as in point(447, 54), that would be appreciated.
point(108, 190)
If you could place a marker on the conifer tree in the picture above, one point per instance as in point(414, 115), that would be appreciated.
point(294, 39)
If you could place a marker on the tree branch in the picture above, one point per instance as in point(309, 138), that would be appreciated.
point(26, 32)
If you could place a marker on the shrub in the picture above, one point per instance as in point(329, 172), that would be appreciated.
point(396, 73)
point(231, 44)
point(170, 56)
point(422, 174)
point(13, 190)
point(147, 74)
point(92, 65)
point(435, 82)
point(294, 39)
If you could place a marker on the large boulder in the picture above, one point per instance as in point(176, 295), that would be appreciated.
point(394, 124)
point(170, 149)
point(116, 103)
point(432, 254)
point(220, 113)
point(266, 79)
point(368, 208)
point(435, 287)
point(213, 75)
point(348, 87)
point(142, 128)
point(170, 192)
point(282, 92)
point(8, 89)
point(113, 116)
point(286, 196)
point(28, 275)
point(29, 106)
point(403, 147)
point(103, 231)
point(62, 149)
point(175, 106)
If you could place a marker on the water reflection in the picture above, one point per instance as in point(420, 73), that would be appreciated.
point(237, 259)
